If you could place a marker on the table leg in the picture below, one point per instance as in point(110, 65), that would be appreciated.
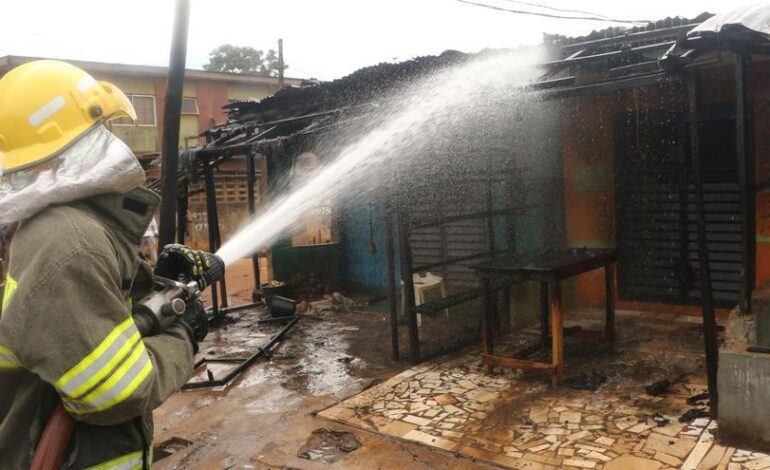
point(544, 313)
point(506, 326)
point(495, 329)
point(557, 333)
point(487, 319)
point(609, 325)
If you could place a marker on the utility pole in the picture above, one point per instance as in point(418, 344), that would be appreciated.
point(171, 117)
point(280, 64)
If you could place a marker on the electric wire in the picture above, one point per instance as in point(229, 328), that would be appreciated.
point(562, 10)
point(549, 15)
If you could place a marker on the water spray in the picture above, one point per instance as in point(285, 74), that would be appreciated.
point(404, 124)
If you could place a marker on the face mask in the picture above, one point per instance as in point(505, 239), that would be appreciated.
point(98, 163)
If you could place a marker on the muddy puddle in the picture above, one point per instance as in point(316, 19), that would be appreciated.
point(328, 446)
point(315, 357)
point(319, 362)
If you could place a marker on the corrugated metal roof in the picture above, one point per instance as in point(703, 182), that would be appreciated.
point(750, 23)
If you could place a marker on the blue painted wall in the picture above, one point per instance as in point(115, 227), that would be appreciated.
point(363, 269)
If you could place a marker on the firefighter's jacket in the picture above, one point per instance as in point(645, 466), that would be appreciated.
point(66, 334)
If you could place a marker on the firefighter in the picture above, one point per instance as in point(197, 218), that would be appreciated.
point(66, 332)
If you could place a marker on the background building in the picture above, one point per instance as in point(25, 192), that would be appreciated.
point(205, 93)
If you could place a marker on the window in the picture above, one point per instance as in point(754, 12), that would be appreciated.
point(145, 109)
point(317, 228)
point(144, 105)
point(189, 106)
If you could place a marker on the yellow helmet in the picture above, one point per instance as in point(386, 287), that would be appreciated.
point(46, 105)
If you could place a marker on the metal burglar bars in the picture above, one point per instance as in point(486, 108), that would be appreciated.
point(214, 235)
point(656, 207)
point(445, 233)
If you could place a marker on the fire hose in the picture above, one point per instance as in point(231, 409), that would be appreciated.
point(162, 307)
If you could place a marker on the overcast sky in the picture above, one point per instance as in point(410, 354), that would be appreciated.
point(323, 39)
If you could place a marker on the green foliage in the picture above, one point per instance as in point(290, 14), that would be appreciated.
point(235, 59)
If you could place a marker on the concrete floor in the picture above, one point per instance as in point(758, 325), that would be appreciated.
point(519, 422)
point(445, 413)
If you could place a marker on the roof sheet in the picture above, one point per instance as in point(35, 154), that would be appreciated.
point(750, 23)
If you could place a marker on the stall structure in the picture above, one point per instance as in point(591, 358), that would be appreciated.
point(674, 118)
point(437, 212)
point(653, 148)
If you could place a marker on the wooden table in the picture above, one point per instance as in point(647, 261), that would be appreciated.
point(549, 268)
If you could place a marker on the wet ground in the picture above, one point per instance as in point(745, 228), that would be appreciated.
point(333, 374)
point(266, 417)
point(642, 407)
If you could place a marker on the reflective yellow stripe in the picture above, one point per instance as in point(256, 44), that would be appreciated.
point(127, 462)
point(119, 386)
point(108, 385)
point(8, 359)
point(132, 386)
point(10, 288)
point(100, 368)
point(104, 357)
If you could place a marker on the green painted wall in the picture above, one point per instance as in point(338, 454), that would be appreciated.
point(320, 259)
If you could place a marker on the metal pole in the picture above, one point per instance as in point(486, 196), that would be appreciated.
point(251, 176)
point(497, 327)
point(181, 213)
point(211, 219)
point(171, 117)
point(745, 179)
point(218, 236)
point(392, 298)
point(490, 205)
point(709, 320)
point(408, 280)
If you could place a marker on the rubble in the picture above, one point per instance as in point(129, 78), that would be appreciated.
point(660, 420)
point(698, 399)
point(693, 414)
point(590, 381)
point(304, 286)
point(661, 387)
point(335, 302)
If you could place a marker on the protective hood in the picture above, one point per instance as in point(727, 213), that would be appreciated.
point(98, 163)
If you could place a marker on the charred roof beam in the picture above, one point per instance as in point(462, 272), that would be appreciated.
point(609, 55)
point(631, 37)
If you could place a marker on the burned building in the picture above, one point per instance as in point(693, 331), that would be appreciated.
point(650, 143)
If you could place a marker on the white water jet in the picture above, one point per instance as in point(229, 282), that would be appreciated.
point(405, 122)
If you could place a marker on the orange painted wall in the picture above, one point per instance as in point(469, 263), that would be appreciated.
point(589, 202)
point(589, 172)
point(759, 90)
point(589, 162)
point(160, 106)
point(211, 97)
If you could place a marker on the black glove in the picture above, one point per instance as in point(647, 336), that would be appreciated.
point(195, 320)
point(182, 263)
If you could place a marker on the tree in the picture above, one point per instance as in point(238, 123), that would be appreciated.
point(236, 59)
